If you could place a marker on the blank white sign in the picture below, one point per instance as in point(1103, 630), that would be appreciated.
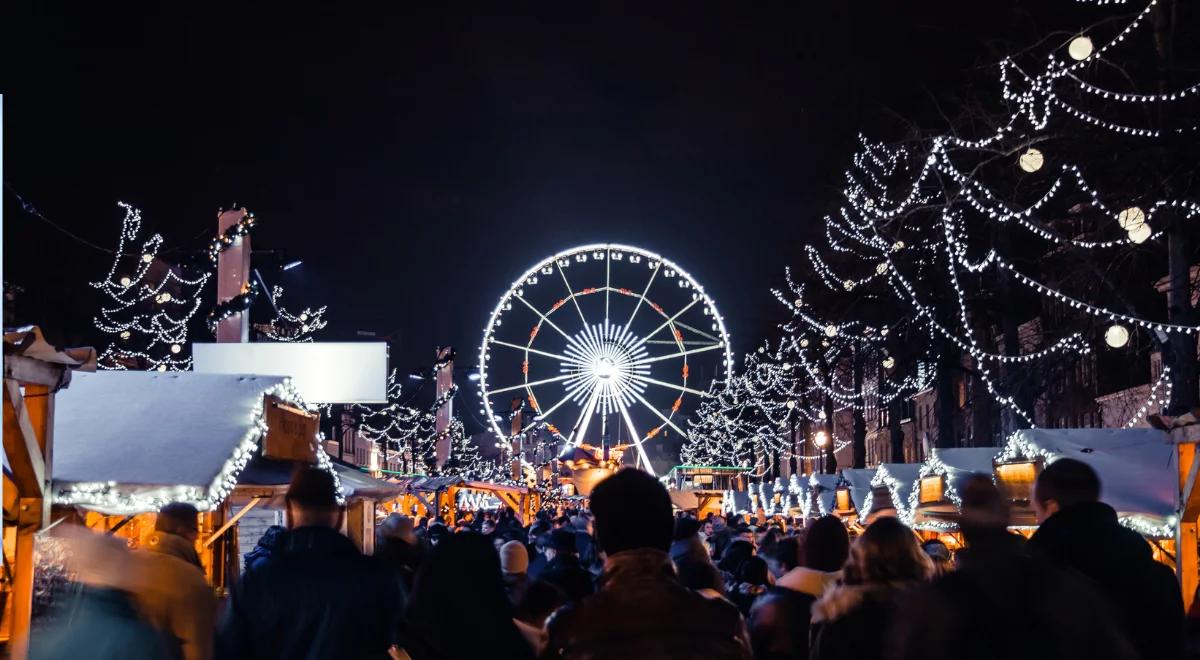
point(323, 372)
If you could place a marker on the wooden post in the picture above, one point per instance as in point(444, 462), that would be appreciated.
point(28, 445)
point(233, 278)
point(360, 525)
point(518, 421)
point(444, 376)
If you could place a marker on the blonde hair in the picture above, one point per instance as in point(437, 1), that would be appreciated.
point(887, 552)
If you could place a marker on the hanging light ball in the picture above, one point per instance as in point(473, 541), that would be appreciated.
point(1116, 336)
point(147, 258)
point(889, 362)
point(175, 348)
point(897, 246)
point(881, 268)
point(1131, 217)
point(821, 414)
point(848, 285)
point(804, 343)
point(1080, 48)
point(162, 367)
point(1140, 233)
point(125, 334)
point(304, 317)
point(791, 404)
point(1032, 160)
point(831, 330)
point(125, 281)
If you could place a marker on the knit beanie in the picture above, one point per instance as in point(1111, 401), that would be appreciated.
point(514, 558)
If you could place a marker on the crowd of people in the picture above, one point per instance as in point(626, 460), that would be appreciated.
point(630, 578)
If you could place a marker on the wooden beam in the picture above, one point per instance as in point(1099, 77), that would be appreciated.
point(36, 372)
point(1187, 561)
point(232, 521)
point(430, 510)
point(21, 444)
point(1189, 497)
point(28, 522)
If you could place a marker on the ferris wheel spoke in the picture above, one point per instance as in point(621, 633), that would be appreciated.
point(666, 420)
point(536, 382)
point(585, 417)
point(571, 293)
point(642, 298)
point(556, 356)
point(638, 439)
point(673, 386)
point(710, 347)
point(685, 342)
point(607, 284)
point(666, 323)
point(697, 331)
point(544, 318)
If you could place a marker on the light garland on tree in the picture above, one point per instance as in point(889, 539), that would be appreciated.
point(288, 327)
point(149, 318)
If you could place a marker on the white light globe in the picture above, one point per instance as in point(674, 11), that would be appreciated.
point(1140, 233)
point(1116, 336)
point(1080, 48)
point(1131, 217)
point(1032, 160)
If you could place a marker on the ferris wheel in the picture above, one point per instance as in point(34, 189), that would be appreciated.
point(601, 343)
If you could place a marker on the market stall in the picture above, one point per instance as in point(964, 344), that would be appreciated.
point(891, 486)
point(129, 442)
point(446, 496)
point(853, 492)
point(935, 500)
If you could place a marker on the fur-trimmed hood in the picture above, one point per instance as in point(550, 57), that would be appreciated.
point(845, 598)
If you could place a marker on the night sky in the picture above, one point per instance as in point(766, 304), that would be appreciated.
point(418, 161)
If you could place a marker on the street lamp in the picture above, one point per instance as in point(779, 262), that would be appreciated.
point(821, 439)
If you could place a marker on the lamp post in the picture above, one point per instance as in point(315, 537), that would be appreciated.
point(821, 440)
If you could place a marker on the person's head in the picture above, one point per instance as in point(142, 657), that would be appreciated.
point(179, 518)
point(582, 523)
point(886, 552)
point(826, 545)
point(984, 508)
point(1064, 483)
point(707, 528)
point(939, 555)
point(487, 527)
point(735, 553)
point(437, 533)
point(632, 511)
point(787, 553)
point(686, 528)
point(700, 575)
point(312, 500)
point(514, 558)
point(753, 571)
point(561, 542)
point(398, 526)
point(718, 523)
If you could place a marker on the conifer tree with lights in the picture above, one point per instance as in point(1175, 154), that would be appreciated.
point(150, 304)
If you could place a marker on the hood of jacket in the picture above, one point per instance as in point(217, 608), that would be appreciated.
point(636, 565)
point(173, 546)
point(808, 581)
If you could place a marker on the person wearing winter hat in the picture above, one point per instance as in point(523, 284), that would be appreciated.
point(563, 569)
point(514, 568)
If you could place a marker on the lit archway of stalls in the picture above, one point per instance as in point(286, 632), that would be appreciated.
point(1139, 478)
point(446, 496)
point(130, 442)
point(891, 486)
point(935, 500)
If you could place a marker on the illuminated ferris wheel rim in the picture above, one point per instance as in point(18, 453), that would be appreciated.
point(620, 367)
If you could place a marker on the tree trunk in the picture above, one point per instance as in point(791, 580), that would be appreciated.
point(859, 441)
point(947, 396)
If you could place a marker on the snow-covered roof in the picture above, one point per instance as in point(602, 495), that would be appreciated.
point(899, 479)
point(860, 484)
point(1138, 469)
point(825, 488)
point(131, 441)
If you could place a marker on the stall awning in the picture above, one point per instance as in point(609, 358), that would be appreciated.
point(860, 484)
point(131, 441)
point(1138, 469)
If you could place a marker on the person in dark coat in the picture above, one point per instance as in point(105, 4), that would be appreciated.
point(100, 621)
point(641, 610)
point(265, 547)
point(397, 546)
point(779, 620)
point(753, 578)
point(318, 596)
point(563, 568)
point(1080, 532)
point(1000, 603)
point(458, 607)
point(852, 619)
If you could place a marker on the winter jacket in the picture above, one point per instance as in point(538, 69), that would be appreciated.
point(641, 611)
point(1002, 604)
point(264, 548)
point(100, 624)
point(744, 595)
point(779, 620)
point(566, 573)
point(515, 586)
point(318, 597)
point(401, 556)
point(1143, 594)
point(175, 597)
point(852, 622)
